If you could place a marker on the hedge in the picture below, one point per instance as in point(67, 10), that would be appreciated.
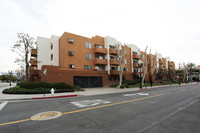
point(129, 82)
point(38, 88)
point(32, 85)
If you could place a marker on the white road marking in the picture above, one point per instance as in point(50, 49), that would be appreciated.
point(46, 116)
point(87, 103)
point(3, 104)
point(133, 94)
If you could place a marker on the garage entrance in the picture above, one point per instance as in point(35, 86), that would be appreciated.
point(88, 82)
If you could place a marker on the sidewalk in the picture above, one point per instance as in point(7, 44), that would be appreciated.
point(87, 92)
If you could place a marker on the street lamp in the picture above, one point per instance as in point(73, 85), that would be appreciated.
point(10, 73)
point(140, 66)
point(45, 73)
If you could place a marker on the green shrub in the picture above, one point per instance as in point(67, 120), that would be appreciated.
point(122, 86)
point(32, 85)
point(78, 88)
point(33, 91)
point(114, 85)
point(126, 85)
point(129, 82)
point(25, 91)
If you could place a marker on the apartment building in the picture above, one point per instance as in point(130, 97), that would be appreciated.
point(87, 62)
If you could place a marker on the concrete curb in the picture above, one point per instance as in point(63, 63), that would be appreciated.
point(54, 97)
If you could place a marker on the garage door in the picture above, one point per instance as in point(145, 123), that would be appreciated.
point(88, 82)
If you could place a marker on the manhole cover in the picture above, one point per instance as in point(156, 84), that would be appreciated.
point(46, 116)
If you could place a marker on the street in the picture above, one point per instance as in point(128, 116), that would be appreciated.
point(173, 109)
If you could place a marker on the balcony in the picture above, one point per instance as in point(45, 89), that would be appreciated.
point(114, 72)
point(33, 62)
point(161, 68)
point(136, 56)
point(170, 64)
point(100, 61)
point(100, 50)
point(161, 62)
point(136, 73)
point(135, 65)
point(112, 51)
point(114, 62)
point(33, 52)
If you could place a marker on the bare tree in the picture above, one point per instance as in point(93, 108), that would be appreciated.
point(145, 63)
point(121, 55)
point(23, 47)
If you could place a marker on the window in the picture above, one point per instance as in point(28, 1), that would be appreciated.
point(100, 68)
point(142, 56)
point(154, 59)
point(111, 57)
point(99, 46)
point(113, 68)
point(70, 53)
point(71, 66)
point(51, 46)
point(112, 47)
point(51, 57)
point(109, 78)
point(126, 69)
point(88, 57)
point(125, 61)
point(87, 67)
point(70, 40)
point(99, 57)
point(115, 78)
point(88, 45)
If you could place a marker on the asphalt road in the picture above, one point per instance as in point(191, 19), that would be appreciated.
point(161, 110)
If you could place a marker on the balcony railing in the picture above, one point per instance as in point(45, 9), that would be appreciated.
point(135, 65)
point(161, 62)
point(136, 56)
point(33, 62)
point(114, 62)
point(34, 52)
point(112, 51)
point(100, 50)
point(100, 61)
point(161, 68)
point(114, 72)
point(170, 64)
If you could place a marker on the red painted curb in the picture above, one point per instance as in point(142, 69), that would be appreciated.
point(143, 89)
point(54, 97)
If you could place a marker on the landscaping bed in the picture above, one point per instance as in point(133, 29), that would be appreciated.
point(40, 88)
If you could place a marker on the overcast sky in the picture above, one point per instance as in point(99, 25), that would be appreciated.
point(170, 27)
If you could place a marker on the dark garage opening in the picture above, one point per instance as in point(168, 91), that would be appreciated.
point(88, 82)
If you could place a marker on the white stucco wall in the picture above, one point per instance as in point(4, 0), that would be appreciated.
point(107, 42)
point(134, 48)
point(159, 56)
point(55, 41)
point(167, 59)
point(44, 51)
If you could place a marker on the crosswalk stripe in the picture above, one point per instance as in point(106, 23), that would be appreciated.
point(3, 104)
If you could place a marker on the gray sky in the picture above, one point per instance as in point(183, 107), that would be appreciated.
point(170, 27)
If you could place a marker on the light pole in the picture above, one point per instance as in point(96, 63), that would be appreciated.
point(10, 73)
point(140, 66)
point(45, 73)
